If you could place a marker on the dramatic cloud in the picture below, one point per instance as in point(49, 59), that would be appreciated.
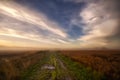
point(60, 23)
point(102, 21)
point(20, 22)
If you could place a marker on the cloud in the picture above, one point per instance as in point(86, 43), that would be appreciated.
point(22, 24)
point(23, 14)
point(72, 24)
point(101, 23)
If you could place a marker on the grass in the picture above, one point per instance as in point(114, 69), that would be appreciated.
point(65, 68)
point(31, 72)
point(80, 72)
point(36, 73)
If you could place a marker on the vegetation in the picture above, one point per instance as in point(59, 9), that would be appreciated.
point(11, 67)
point(80, 72)
point(39, 72)
point(105, 62)
point(60, 65)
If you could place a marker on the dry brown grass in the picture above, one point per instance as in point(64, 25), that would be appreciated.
point(104, 61)
point(11, 65)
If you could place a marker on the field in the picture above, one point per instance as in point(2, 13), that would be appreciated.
point(106, 62)
point(60, 65)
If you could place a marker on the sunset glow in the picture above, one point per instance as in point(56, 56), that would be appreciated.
point(61, 24)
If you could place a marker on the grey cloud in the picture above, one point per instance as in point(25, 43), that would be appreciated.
point(27, 30)
point(112, 7)
point(102, 19)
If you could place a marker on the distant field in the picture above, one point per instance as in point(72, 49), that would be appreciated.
point(106, 62)
point(60, 65)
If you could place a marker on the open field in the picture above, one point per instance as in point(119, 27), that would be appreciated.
point(12, 64)
point(60, 65)
point(106, 62)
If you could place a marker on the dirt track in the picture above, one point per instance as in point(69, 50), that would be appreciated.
point(52, 69)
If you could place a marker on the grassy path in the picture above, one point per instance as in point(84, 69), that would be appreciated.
point(49, 68)
point(55, 66)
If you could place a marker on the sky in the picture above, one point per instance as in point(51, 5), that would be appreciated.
point(60, 24)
